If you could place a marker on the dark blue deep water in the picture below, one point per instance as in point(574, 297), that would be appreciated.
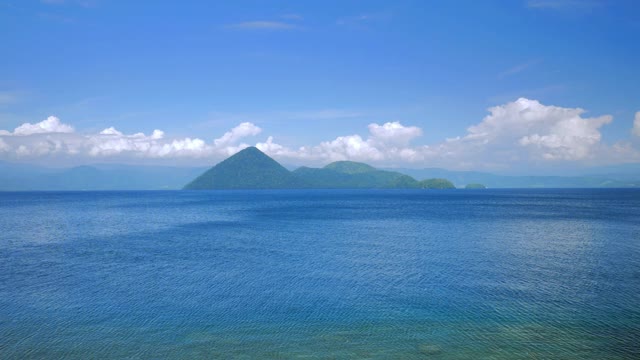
point(493, 274)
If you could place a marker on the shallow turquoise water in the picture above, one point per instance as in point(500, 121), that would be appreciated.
point(513, 274)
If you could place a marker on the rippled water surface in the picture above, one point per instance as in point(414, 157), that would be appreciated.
point(513, 274)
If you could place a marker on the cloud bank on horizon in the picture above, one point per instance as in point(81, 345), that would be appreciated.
point(522, 131)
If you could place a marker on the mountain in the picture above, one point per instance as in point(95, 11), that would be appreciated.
point(21, 177)
point(353, 175)
point(350, 167)
point(252, 169)
point(248, 169)
point(405, 182)
point(436, 183)
point(620, 172)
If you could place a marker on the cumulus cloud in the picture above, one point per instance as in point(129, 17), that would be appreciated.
point(550, 132)
point(520, 132)
point(569, 139)
point(636, 125)
point(110, 142)
point(51, 137)
point(280, 151)
point(516, 132)
point(386, 143)
point(50, 125)
point(110, 131)
point(243, 130)
point(349, 147)
point(394, 133)
point(157, 134)
point(4, 146)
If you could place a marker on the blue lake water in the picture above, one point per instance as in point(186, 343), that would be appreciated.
point(513, 274)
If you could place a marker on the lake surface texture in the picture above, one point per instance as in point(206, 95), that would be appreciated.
point(493, 274)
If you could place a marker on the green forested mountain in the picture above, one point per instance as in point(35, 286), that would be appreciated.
point(405, 182)
point(248, 169)
point(353, 175)
point(252, 169)
point(350, 167)
point(436, 184)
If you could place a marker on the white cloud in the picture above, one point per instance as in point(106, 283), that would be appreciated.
point(4, 146)
point(53, 138)
point(181, 147)
point(41, 144)
point(568, 139)
point(549, 132)
point(274, 149)
point(636, 125)
point(351, 147)
point(394, 133)
point(157, 134)
point(231, 137)
point(50, 125)
point(517, 133)
point(111, 142)
point(386, 143)
point(110, 131)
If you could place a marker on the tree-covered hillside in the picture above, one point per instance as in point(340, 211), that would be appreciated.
point(436, 184)
point(350, 167)
point(252, 169)
point(353, 175)
point(248, 169)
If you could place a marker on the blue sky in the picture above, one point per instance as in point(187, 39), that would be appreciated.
point(376, 81)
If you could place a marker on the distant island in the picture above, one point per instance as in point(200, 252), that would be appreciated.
point(253, 169)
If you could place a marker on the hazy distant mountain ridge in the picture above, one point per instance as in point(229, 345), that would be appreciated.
point(22, 177)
